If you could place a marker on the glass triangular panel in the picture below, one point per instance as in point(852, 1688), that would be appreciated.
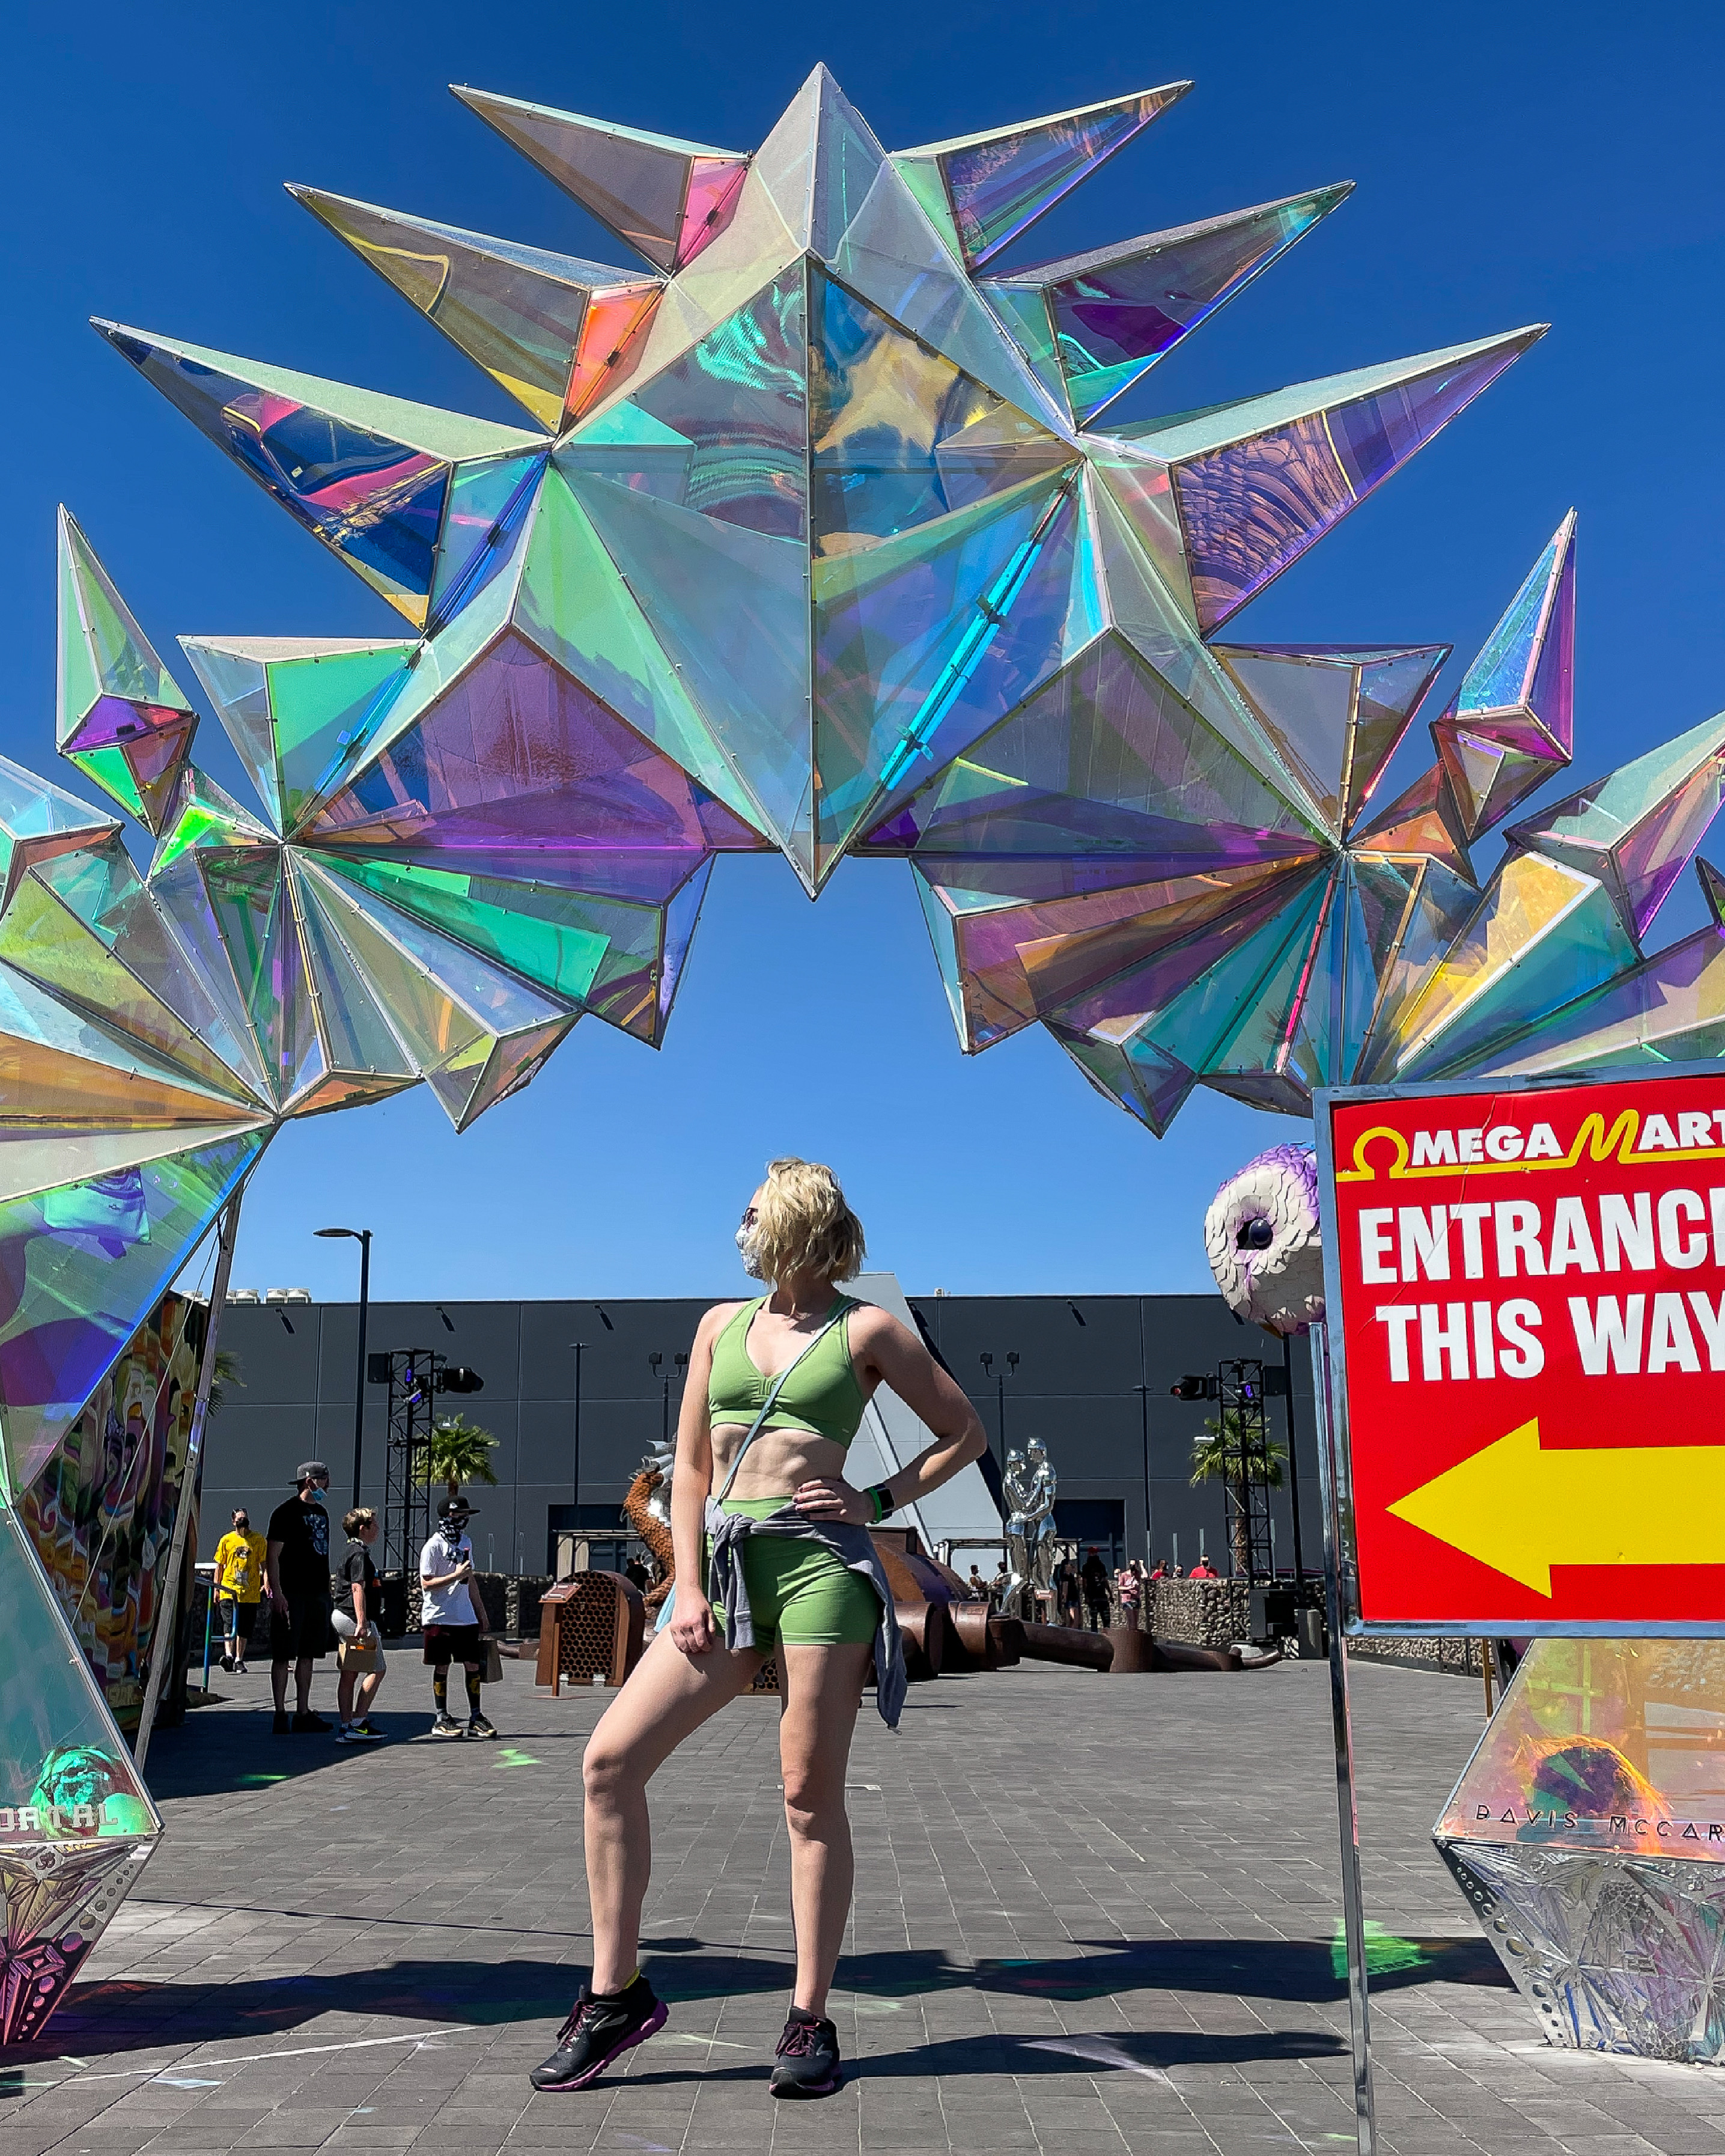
point(1336, 712)
point(67, 1072)
point(1501, 679)
point(489, 502)
point(1440, 905)
point(1639, 825)
point(925, 641)
point(37, 820)
point(1541, 935)
point(104, 654)
point(1000, 182)
point(897, 434)
point(730, 609)
point(356, 1038)
point(365, 474)
point(516, 754)
point(78, 1805)
point(891, 256)
point(1258, 483)
point(518, 311)
point(1033, 940)
point(576, 608)
point(43, 936)
point(1422, 820)
point(91, 1258)
point(738, 399)
point(636, 184)
point(1105, 759)
point(1117, 310)
point(1670, 1009)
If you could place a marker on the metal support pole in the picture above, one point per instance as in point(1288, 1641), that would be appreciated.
point(1352, 1903)
point(162, 1647)
point(359, 1372)
point(580, 1348)
point(1287, 1365)
point(1143, 1393)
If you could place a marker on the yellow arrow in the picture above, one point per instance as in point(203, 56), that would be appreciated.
point(1521, 1510)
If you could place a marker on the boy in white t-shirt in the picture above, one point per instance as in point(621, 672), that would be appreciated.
point(453, 1618)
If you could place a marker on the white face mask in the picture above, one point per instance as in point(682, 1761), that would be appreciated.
point(746, 1247)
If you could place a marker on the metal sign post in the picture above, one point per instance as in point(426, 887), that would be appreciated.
point(1354, 1915)
point(1517, 1377)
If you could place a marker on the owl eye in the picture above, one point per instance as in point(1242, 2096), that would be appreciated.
point(1255, 1235)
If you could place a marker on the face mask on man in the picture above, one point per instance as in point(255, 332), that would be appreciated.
point(746, 1247)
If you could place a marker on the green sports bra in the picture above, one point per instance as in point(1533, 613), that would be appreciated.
point(821, 1394)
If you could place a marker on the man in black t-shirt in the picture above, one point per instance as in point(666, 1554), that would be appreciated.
point(298, 1565)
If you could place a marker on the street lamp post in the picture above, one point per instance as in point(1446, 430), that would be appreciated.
point(1143, 1394)
point(580, 1348)
point(363, 1236)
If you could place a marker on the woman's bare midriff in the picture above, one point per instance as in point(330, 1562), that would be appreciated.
point(780, 1461)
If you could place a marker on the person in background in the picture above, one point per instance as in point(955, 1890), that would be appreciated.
point(1131, 1590)
point(1098, 1602)
point(978, 1585)
point(356, 1622)
point(1068, 1592)
point(453, 1618)
point(297, 1566)
point(239, 1586)
point(998, 1584)
point(1203, 1570)
point(636, 1573)
point(1160, 1572)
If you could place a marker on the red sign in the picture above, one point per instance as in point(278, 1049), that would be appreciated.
point(1532, 1319)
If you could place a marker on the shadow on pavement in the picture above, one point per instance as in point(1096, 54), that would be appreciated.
point(1027, 2057)
point(119, 2017)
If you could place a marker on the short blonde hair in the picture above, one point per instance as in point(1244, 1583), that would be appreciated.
point(803, 1224)
point(360, 1517)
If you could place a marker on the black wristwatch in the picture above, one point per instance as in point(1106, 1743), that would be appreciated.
point(884, 1501)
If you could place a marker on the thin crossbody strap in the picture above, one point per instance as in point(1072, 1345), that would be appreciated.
point(778, 1386)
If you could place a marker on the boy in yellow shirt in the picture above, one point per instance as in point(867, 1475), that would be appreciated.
point(239, 1586)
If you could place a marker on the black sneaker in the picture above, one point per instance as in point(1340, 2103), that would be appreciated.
point(228, 1663)
point(477, 1726)
point(599, 2031)
point(284, 1725)
point(808, 2057)
point(305, 1724)
point(446, 1725)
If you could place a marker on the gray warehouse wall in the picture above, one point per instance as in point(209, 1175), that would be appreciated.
point(1081, 1362)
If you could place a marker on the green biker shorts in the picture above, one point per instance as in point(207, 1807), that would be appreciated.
point(800, 1592)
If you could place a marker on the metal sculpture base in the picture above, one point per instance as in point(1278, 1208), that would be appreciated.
point(1614, 1953)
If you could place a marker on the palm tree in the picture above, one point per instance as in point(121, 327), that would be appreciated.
point(460, 1452)
point(1220, 1455)
point(225, 1374)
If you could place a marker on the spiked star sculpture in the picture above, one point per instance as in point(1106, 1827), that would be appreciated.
point(817, 538)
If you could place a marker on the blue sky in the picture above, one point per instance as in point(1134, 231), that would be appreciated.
point(1515, 164)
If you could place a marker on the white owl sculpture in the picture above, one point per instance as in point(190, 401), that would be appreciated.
point(1261, 1232)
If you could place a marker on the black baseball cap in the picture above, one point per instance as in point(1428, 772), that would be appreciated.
point(310, 1470)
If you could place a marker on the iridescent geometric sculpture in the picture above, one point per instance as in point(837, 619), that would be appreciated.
point(1588, 1834)
point(1513, 724)
point(811, 540)
point(121, 718)
point(76, 1822)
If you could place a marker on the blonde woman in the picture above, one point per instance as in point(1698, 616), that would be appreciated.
point(773, 1556)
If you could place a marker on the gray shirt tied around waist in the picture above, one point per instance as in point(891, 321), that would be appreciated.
point(854, 1548)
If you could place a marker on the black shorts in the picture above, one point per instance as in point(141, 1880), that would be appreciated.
point(243, 1614)
point(299, 1630)
point(452, 1643)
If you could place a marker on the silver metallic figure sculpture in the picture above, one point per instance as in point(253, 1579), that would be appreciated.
point(1029, 1485)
